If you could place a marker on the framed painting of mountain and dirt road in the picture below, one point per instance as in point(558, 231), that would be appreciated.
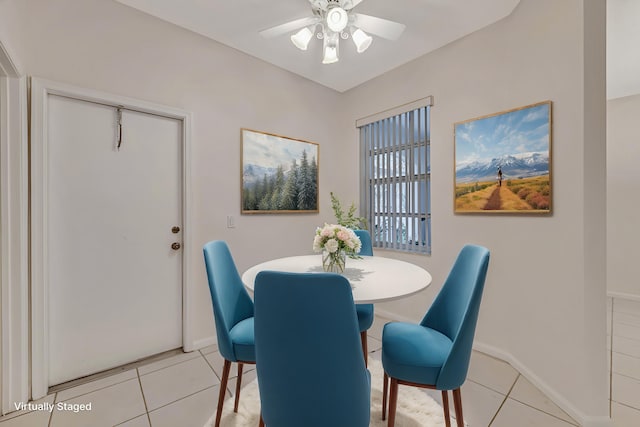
point(503, 162)
point(279, 174)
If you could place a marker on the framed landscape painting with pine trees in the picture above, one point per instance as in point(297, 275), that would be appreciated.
point(279, 174)
point(503, 162)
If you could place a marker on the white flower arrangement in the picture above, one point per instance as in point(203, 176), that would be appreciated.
point(334, 238)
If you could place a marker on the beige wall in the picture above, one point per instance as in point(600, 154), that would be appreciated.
point(623, 189)
point(106, 46)
point(544, 305)
point(10, 32)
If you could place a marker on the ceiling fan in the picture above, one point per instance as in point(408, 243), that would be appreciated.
point(336, 20)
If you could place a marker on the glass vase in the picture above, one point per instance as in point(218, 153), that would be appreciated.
point(334, 262)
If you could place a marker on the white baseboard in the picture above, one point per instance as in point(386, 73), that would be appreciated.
point(550, 392)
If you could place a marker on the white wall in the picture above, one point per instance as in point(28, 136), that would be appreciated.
point(9, 33)
point(13, 232)
point(544, 303)
point(623, 189)
point(2, 177)
point(106, 46)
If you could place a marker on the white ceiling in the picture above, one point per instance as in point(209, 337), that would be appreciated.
point(430, 24)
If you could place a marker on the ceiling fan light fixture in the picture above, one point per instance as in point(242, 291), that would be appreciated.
point(337, 19)
point(332, 21)
point(330, 49)
point(361, 39)
point(302, 38)
point(330, 55)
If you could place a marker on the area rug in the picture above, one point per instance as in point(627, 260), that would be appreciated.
point(415, 407)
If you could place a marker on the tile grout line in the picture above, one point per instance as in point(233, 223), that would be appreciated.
point(635, 340)
point(13, 417)
point(611, 362)
point(488, 387)
point(626, 354)
point(89, 392)
point(506, 396)
point(168, 366)
point(635, 324)
point(545, 412)
point(108, 373)
point(207, 361)
point(144, 399)
point(627, 405)
point(26, 413)
point(130, 419)
point(55, 396)
point(228, 390)
point(182, 398)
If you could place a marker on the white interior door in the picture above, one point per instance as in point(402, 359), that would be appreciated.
point(115, 282)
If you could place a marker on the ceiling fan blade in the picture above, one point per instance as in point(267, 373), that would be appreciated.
point(384, 28)
point(319, 4)
point(288, 27)
point(350, 4)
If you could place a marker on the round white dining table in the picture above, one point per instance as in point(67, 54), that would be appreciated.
point(373, 278)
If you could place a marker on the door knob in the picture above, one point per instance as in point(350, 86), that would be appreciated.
point(175, 246)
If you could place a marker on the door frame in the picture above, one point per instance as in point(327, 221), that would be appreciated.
point(14, 214)
point(40, 91)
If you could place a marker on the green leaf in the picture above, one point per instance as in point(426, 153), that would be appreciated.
point(350, 220)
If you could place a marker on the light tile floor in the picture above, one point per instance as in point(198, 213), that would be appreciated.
point(624, 342)
point(182, 390)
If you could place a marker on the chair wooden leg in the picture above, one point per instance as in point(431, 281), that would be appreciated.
point(223, 390)
point(385, 386)
point(445, 407)
point(457, 402)
point(393, 401)
point(261, 423)
point(238, 383)
point(365, 351)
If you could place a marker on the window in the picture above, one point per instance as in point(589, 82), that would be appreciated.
point(396, 176)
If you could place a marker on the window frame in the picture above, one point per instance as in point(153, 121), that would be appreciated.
point(395, 151)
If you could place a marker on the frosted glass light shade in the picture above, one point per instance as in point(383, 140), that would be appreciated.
point(361, 39)
point(330, 48)
point(301, 38)
point(330, 54)
point(337, 19)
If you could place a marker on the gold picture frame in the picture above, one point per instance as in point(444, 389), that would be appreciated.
point(279, 174)
point(502, 162)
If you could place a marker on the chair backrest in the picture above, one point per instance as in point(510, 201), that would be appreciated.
point(365, 239)
point(308, 353)
point(231, 302)
point(454, 312)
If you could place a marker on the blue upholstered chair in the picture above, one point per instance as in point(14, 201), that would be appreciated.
point(364, 311)
point(233, 312)
point(310, 368)
point(365, 239)
point(435, 353)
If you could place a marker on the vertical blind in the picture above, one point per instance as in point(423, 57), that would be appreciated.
point(396, 175)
